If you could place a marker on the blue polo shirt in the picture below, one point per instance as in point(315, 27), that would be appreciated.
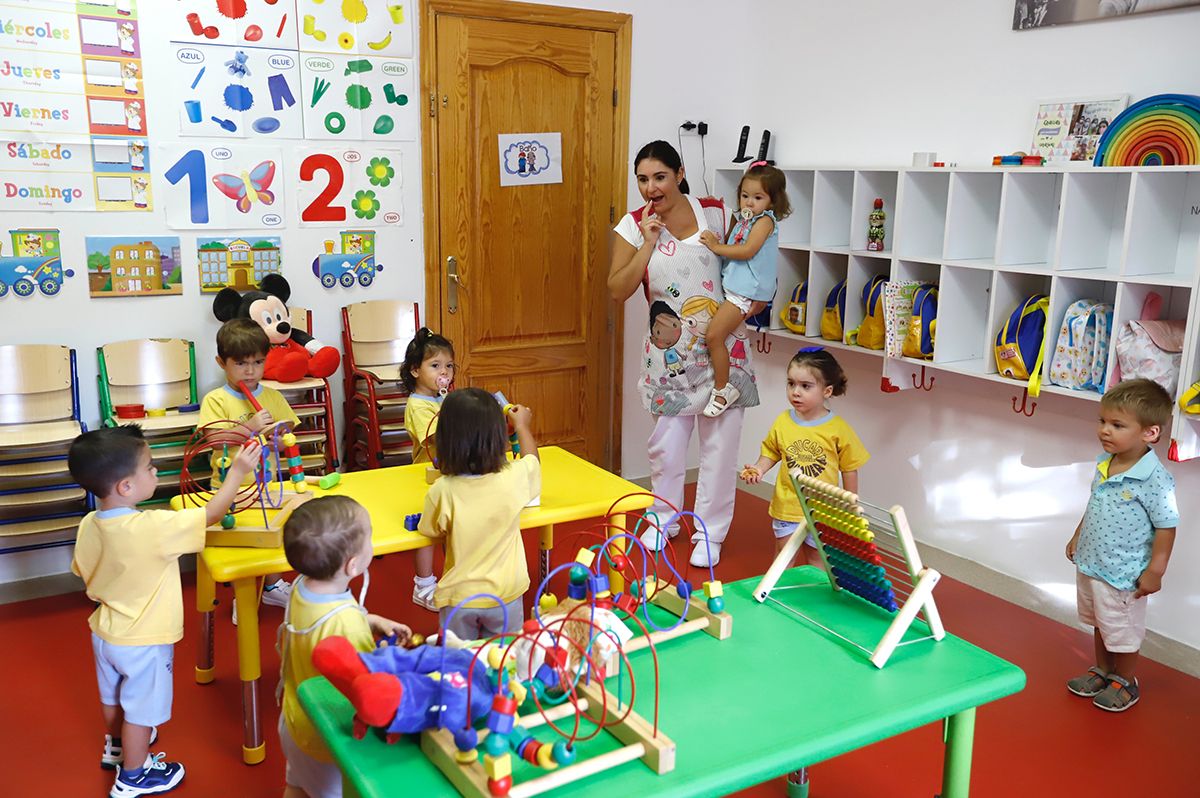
point(1122, 514)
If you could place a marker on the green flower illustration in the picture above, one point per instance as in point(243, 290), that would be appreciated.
point(365, 205)
point(380, 172)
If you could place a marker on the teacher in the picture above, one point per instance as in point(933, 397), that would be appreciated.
point(657, 246)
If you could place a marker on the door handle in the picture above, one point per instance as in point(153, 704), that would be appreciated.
point(453, 283)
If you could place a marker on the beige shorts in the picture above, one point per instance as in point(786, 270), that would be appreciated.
point(1120, 617)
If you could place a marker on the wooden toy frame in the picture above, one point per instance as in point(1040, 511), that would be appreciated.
point(898, 556)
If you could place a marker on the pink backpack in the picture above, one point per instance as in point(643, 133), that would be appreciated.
point(1150, 348)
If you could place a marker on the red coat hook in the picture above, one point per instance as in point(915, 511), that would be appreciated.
point(763, 345)
point(1025, 403)
point(922, 384)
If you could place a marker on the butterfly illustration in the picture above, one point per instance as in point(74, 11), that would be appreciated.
point(248, 187)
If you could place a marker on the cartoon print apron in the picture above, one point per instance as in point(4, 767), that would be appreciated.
point(684, 292)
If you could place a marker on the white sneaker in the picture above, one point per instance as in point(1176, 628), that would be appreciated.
point(654, 540)
point(715, 408)
point(278, 594)
point(114, 756)
point(423, 596)
point(702, 553)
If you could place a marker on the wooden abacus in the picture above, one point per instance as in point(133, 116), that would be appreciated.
point(866, 550)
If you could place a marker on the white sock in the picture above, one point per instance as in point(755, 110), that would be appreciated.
point(425, 581)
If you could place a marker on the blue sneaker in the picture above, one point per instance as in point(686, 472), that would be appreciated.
point(155, 777)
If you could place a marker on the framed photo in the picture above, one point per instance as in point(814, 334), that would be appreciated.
point(1030, 14)
point(1070, 129)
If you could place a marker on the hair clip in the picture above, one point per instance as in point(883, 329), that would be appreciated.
point(808, 350)
point(758, 163)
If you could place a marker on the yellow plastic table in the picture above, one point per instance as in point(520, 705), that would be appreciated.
point(572, 490)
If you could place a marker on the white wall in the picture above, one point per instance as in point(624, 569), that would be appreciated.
point(865, 82)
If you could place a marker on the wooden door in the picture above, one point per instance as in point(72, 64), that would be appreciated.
point(516, 275)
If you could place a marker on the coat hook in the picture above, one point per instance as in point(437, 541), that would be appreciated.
point(763, 345)
point(922, 384)
point(1025, 403)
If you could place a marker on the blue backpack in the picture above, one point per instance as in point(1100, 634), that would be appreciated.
point(1019, 349)
point(833, 316)
point(922, 327)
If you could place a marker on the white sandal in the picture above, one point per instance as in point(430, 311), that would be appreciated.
point(728, 393)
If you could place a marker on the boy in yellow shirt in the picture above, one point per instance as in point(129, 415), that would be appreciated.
point(242, 348)
point(129, 562)
point(328, 540)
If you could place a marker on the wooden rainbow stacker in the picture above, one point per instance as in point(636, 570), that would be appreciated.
point(868, 551)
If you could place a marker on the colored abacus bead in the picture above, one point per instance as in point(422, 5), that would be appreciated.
point(714, 589)
point(465, 757)
point(545, 757)
point(579, 575)
point(598, 583)
point(530, 752)
point(547, 676)
point(499, 722)
point(619, 561)
point(716, 605)
point(684, 589)
point(564, 754)
point(577, 591)
point(497, 767)
point(466, 739)
point(500, 787)
point(585, 557)
point(495, 657)
point(227, 522)
point(288, 439)
point(547, 602)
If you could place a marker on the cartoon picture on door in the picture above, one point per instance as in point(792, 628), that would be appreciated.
point(361, 188)
point(245, 23)
point(240, 92)
point(356, 27)
point(349, 97)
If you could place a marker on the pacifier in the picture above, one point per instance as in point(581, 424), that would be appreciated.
point(443, 384)
point(746, 214)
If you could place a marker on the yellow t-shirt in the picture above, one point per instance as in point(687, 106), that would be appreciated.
point(129, 561)
point(420, 419)
point(480, 518)
point(226, 403)
point(821, 448)
point(305, 609)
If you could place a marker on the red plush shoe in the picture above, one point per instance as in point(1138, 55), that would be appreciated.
point(376, 697)
point(324, 363)
point(338, 662)
point(285, 365)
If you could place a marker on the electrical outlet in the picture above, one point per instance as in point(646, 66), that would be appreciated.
point(688, 125)
point(702, 129)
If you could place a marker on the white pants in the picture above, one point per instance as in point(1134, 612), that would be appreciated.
point(715, 490)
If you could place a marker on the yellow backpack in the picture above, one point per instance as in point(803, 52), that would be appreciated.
point(871, 332)
point(834, 313)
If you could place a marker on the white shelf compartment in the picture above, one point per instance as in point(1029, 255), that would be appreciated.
point(921, 215)
point(1029, 211)
point(793, 269)
point(1092, 227)
point(1163, 238)
point(963, 335)
point(833, 192)
point(1009, 289)
point(1065, 291)
point(824, 272)
point(868, 185)
point(796, 229)
point(973, 215)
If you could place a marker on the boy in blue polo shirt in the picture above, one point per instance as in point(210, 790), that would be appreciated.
point(1122, 545)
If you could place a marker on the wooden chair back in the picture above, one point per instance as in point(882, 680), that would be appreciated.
point(37, 383)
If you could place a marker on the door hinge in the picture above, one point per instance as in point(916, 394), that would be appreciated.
point(433, 105)
point(615, 95)
point(609, 322)
point(612, 213)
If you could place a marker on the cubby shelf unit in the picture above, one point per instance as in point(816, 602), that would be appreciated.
point(990, 237)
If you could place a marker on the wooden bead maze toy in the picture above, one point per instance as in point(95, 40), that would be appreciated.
point(867, 551)
point(277, 443)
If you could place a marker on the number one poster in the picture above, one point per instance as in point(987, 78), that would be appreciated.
point(355, 187)
point(225, 187)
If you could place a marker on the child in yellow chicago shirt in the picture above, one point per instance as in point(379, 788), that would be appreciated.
point(476, 506)
point(328, 541)
point(426, 374)
point(242, 348)
point(129, 562)
point(812, 439)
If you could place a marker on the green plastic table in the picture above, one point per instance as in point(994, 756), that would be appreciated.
point(777, 695)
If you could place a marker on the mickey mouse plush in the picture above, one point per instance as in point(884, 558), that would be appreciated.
point(294, 353)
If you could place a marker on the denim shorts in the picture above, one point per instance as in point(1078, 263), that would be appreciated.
point(136, 678)
point(784, 529)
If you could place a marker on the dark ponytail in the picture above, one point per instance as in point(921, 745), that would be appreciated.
point(662, 151)
point(423, 344)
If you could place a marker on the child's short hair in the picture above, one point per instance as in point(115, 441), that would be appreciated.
point(1146, 400)
point(321, 534)
point(241, 338)
point(819, 360)
point(424, 344)
point(774, 183)
point(472, 433)
point(99, 459)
